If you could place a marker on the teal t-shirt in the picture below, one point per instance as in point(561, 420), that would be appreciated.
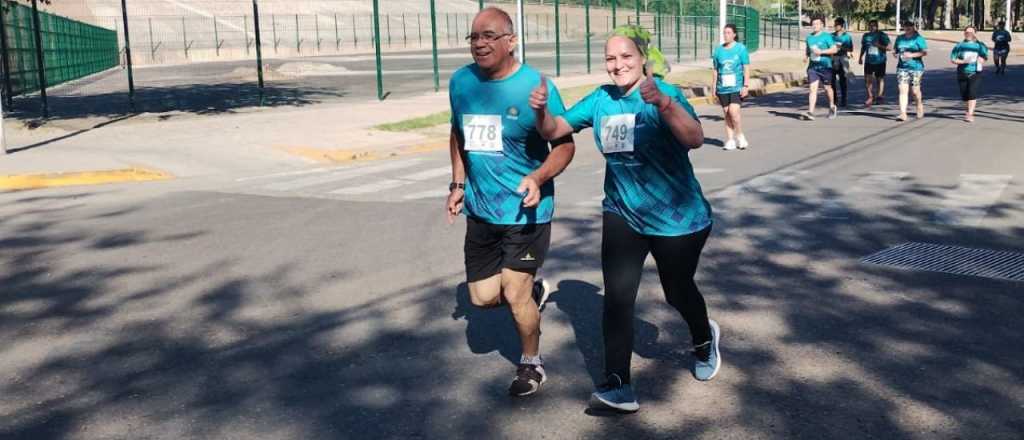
point(1002, 39)
point(869, 42)
point(845, 42)
point(916, 43)
point(968, 50)
point(729, 62)
point(648, 180)
point(823, 41)
point(501, 143)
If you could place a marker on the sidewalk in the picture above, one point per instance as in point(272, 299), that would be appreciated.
point(265, 140)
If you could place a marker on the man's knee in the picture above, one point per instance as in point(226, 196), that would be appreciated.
point(486, 293)
point(517, 285)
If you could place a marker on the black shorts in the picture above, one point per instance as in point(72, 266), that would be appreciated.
point(490, 248)
point(727, 99)
point(876, 70)
point(969, 86)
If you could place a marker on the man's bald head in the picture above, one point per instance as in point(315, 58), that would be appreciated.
point(497, 14)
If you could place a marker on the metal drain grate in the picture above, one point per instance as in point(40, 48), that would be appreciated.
point(954, 260)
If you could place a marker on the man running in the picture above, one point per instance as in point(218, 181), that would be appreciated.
point(1002, 39)
point(873, 46)
point(820, 47)
point(502, 175)
point(841, 60)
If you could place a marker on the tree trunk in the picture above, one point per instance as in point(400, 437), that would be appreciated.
point(987, 15)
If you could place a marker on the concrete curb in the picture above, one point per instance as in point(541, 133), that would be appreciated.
point(22, 182)
point(759, 86)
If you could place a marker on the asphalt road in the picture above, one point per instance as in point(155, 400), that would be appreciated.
point(330, 303)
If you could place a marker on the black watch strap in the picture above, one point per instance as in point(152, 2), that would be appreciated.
point(456, 185)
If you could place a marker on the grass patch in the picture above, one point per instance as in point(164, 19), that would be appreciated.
point(427, 121)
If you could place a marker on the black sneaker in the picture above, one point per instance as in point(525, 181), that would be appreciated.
point(528, 380)
point(541, 292)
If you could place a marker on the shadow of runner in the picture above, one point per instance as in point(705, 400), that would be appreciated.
point(488, 330)
point(582, 303)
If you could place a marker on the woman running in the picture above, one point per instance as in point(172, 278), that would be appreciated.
point(969, 56)
point(653, 203)
point(910, 49)
point(1002, 38)
point(731, 66)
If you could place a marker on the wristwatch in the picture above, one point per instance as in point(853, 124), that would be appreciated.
point(456, 185)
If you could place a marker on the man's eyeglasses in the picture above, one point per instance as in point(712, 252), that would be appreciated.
point(487, 37)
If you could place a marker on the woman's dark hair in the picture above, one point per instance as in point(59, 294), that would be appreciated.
point(734, 31)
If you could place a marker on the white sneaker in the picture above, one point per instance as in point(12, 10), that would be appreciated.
point(730, 145)
point(743, 144)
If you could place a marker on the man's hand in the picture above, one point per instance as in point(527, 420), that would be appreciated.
point(531, 188)
point(454, 205)
point(650, 92)
point(539, 96)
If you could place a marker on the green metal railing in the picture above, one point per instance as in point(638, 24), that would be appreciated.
point(70, 49)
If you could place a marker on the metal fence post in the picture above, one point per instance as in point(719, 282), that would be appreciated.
point(337, 34)
point(316, 27)
point(419, 29)
point(637, 3)
point(355, 34)
point(39, 58)
point(586, 12)
point(558, 42)
point(387, 21)
point(245, 31)
point(433, 45)
point(184, 37)
point(6, 61)
point(405, 36)
point(614, 20)
point(259, 48)
point(216, 35)
point(376, 33)
point(128, 55)
point(679, 31)
point(298, 38)
point(273, 27)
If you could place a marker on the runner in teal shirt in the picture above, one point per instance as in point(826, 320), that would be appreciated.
point(819, 50)
point(910, 49)
point(969, 57)
point(1002, 38)
point(653, 203)
point(502, 146)
point(841, 60)
point(873, 46)
point(731, 65)
point(502, 173)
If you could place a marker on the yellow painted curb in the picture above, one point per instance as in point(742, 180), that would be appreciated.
point(336, 156)
point(19, 182)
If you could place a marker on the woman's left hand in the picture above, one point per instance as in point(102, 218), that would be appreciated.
point(651, 94)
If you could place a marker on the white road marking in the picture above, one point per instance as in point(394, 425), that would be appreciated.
point(768, 183)
point(434, 193)
point(875, 182)
point(386, 184)
point(346, 174)
point(285, 174)
point(968, 204)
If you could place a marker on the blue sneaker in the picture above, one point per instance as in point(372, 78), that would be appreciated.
point(709, 359)
point(615, 395)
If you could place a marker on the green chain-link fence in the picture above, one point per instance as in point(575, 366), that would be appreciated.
point(71, 49)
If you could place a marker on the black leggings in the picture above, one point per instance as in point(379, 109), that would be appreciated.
point(839, 82)
point(623, 252)
point(969, 86)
